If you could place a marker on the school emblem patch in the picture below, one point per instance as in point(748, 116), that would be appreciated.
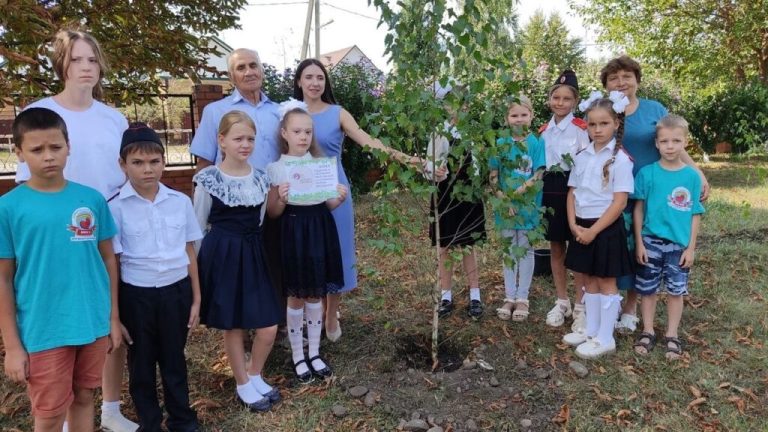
point(680, 199)
point(526, 166)
point(83, 225)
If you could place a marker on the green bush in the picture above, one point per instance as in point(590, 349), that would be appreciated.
point(661, 91)
point(357, 89)
point(737, 115)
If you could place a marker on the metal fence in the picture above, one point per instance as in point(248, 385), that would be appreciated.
point(171, 115)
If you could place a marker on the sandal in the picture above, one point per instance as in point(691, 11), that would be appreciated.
point(503, 312)
point(646, 341)
point(675, 351)
point(521, 310)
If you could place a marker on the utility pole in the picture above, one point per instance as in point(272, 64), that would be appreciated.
point(317, 29)
point(307, 23)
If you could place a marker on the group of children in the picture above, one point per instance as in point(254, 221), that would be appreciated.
point(147, 241)
point(587, 183)
point(173, 263)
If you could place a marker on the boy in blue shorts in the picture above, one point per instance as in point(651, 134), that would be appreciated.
point(58, 279)
point(159, 286)
point(666, 223)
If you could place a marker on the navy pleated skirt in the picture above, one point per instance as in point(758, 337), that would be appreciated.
point(236, 289)
point(311, 254)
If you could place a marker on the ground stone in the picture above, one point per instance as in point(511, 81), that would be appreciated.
point(521, 364)
point(435, 429)
point(358, 391)
point(339, 411)
point(469, 364)
point(471, 425)
point(416, 425)
point(493, 381)
point(579, 369)
point(525, 423)
point(416, 415)
point(370, 399)
point(542, 373)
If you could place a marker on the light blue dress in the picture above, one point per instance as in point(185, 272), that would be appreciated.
point(330, 137)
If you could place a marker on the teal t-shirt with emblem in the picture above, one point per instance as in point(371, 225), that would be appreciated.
point(61, 284)
point(517, 163)
point(671, 200)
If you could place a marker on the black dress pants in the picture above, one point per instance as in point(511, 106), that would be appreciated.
point(156, 319)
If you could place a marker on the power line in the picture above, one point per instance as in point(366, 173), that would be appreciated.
point(350, 11)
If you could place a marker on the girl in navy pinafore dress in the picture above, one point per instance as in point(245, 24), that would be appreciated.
point(237, 294)
point(311, 254)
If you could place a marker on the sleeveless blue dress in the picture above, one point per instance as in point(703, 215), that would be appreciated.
point(236, 291)
point(330, 137)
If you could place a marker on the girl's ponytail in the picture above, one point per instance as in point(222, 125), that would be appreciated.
point(616, 148)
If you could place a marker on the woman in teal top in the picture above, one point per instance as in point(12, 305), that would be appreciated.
point(639, 140)
point(331, 123)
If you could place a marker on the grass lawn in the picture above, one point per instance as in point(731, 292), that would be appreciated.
point(720, 384)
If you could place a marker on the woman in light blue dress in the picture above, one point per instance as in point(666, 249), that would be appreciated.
point(331, 124)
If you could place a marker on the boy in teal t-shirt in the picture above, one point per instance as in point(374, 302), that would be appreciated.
point(58, 285)
point(518, 167)
point(666, 223)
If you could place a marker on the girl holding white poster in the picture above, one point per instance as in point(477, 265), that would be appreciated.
point(311, 254)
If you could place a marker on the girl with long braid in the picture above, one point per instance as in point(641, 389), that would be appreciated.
point(599, 186)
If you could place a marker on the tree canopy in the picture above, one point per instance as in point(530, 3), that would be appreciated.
point(546, 41)
point(140, 38)
point(700, 42)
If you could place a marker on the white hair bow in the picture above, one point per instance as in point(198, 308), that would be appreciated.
point(593, 96)
point(620, 101)
point(290, 105)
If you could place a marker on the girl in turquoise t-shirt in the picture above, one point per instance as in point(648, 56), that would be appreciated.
point(516, 170)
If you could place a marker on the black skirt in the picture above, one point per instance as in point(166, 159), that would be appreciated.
point(607, 255)
point(311, 255)
point(462, 219)
point(554, 198)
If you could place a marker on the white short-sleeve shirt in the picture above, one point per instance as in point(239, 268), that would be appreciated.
point(94, 142)
point(563, 138)
point(152, 236)
point(592, 197)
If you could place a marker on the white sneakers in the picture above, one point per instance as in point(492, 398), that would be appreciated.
point(117, 423)
point(576, 338)
point(592, 349)
point(579, 318)
point(578, 328)
point(557, 315)
point(627, 324)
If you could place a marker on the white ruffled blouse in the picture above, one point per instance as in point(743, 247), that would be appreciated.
point(248, 190)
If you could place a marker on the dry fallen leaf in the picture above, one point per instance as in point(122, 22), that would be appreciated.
point(694, 391)
point(739, 402)
point(696, 402)
point(563, 416)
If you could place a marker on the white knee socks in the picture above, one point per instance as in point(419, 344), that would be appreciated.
point(314, 313)
point(592, 310)
point(295, 323)
point(609, 309)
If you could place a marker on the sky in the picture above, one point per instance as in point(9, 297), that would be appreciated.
point(275, 28)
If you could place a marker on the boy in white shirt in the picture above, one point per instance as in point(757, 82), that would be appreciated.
point(159, 285)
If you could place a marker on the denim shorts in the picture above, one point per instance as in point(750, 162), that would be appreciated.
point(663, 264)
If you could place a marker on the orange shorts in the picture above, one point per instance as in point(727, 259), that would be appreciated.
point(55, 373)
